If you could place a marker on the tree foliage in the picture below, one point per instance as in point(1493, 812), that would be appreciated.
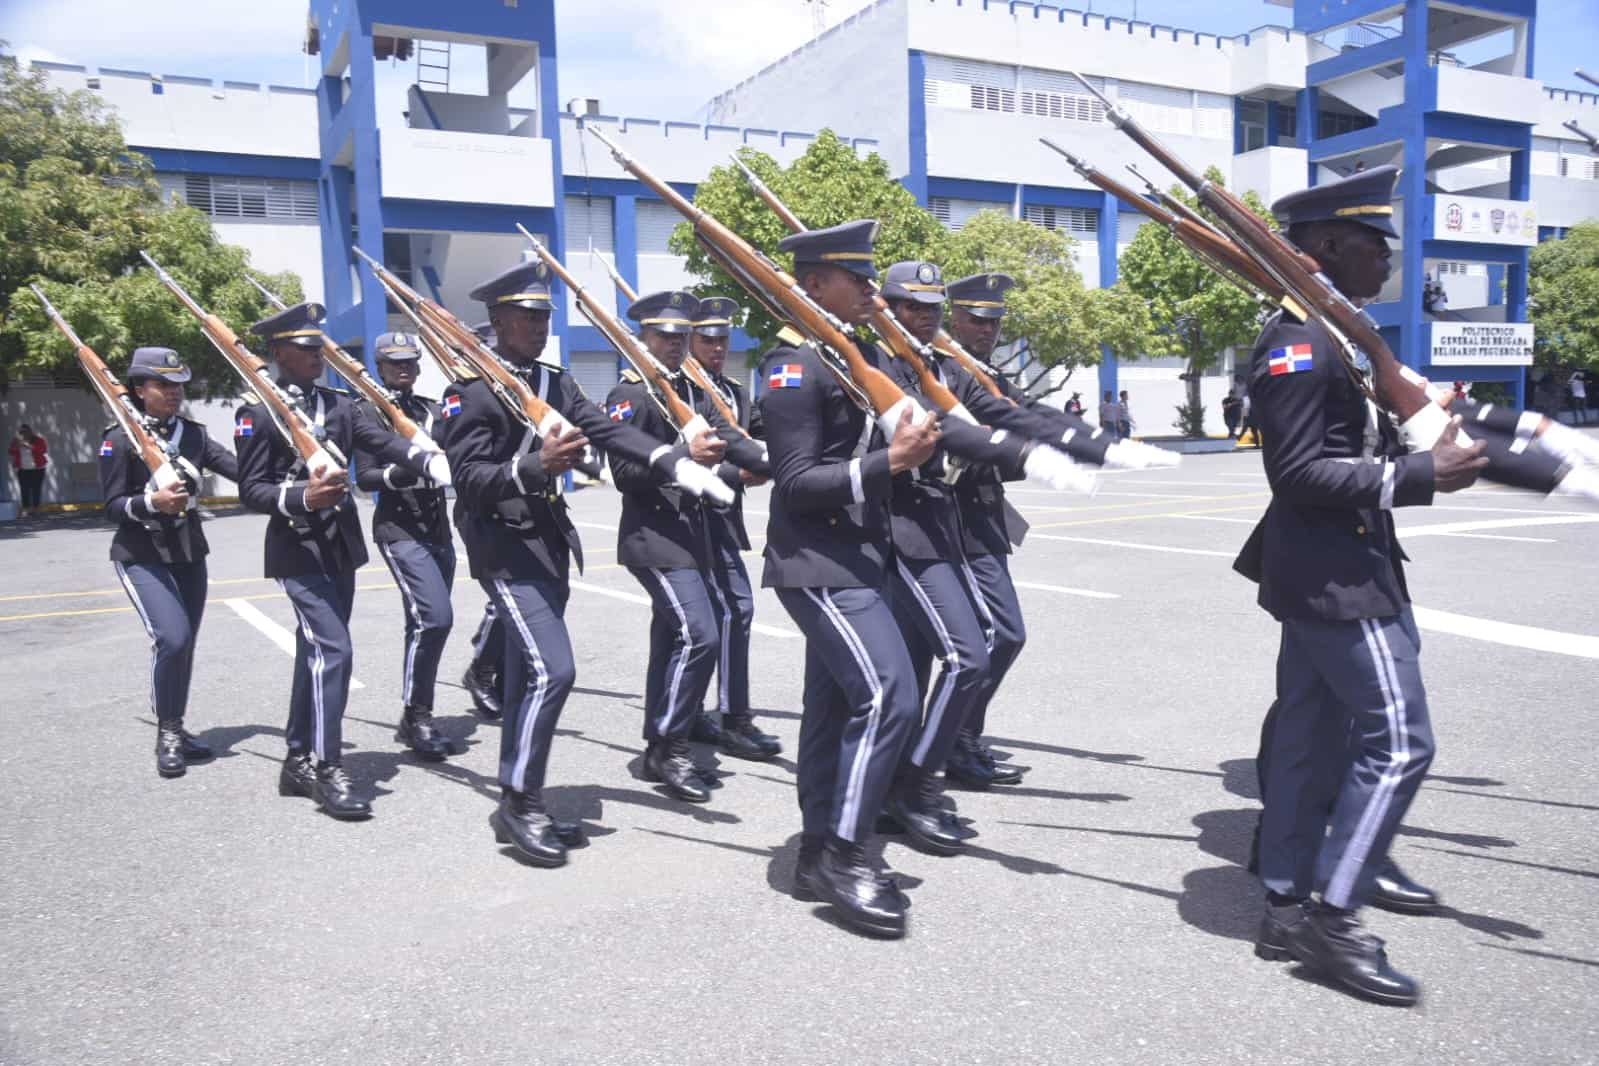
point(1563, 286)
point(76, 206)
point(1199, 312)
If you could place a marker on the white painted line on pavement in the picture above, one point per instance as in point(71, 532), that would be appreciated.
point(1444, 528)
point(633, 597)
point(1218, 518)
point(1517, 636)
point(1500, 536)
point(1131, 544)
point(271, 630)
point(1089, 593)
point(595, 525)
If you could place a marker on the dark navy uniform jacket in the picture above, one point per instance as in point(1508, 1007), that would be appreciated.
point(144, 534)
point(272, 481)
point(408, 507)
point(988, 525)
point(1326, 547)
point(661, 525)
point(828, 521)
point(513, 518)
point(749, 419)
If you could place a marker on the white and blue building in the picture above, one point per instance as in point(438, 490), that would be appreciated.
point(434, 129)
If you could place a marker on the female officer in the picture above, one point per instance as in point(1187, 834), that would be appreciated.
point(159, 549)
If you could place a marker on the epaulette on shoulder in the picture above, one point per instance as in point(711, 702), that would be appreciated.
point(249, 398)
point(632, 377)
point(337, 391)
point(107, 431)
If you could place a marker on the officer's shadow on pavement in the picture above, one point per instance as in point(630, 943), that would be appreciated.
point(223, 739)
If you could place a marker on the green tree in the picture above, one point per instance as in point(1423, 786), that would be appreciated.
point(76, 206)
point(1563, 286)
point(827, 185)
point(1200, 313)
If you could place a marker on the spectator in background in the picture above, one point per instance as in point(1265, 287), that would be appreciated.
point(1074, 406)
point(30, 454)
point(1125, 427)
point(1232, 406)
point(1579, 397)
point(1110, 415)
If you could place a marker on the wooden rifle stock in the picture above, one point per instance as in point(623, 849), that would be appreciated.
point(291, 421)
point(112, 393)
point(771, 285)
point(890, 329)
point(353, 371)
point(656, 377)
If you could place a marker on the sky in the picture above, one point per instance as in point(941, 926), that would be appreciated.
point(638, 57)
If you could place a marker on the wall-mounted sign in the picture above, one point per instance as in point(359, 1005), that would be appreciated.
point(1477, 218)
point(1481, 344)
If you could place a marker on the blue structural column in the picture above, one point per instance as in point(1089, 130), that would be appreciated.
point(1415, 339)
point(624, 230)
point(916, 142)
point(550, 128)
point(1515, 274)
point(1306, 124)
point(1109, 223)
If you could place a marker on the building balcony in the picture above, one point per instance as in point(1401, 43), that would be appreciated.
point(1271, 172)
point(1480, 94)
point(452, 166)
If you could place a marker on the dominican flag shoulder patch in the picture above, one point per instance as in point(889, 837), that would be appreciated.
point(244, 427)
point(107, 448)
point(787, 376)
point(1289, 360)
point(621, 411)
point(452, 406)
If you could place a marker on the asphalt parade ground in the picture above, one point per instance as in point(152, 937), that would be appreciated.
point(1103, 915)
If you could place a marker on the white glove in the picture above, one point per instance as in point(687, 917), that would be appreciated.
point(1056, 470)
point(695, 478)
point(438, 469)
point(1136, 455)
point(1563, 442)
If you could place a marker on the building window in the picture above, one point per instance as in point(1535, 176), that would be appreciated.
point(267, 199)
point(588, 225)
point(1336, 123)
point(1288, 122)
point(1079, 222)
point(955, 213)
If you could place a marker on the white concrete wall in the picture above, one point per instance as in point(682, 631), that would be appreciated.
point(467, 168)
point(279, 246)
point(198, 115)
point(1271, 172)
point(675, 151)
point(853, 79)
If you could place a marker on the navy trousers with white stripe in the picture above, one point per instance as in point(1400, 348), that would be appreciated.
point(425, 573)
point(170, 601)
point(684, 646)
point(1342, 685)
point(488, 643)
point(323, 662)
point(539, 674)
point(934, 606)
point(860, 707)
point(729, 583)
point(1000, 611)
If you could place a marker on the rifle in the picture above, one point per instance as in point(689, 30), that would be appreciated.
point(691, 366)
point(892, 330)
point(304, 435)
point(167, 467)
point(355, 372)
point(780, 293)
point(657, 379)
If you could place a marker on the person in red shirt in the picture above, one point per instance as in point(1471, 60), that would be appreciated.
point(30, 454)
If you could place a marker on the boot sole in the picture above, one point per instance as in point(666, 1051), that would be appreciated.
point(686, 797)
point(1272, 952)
point(1407, 908)
point(748, 756)
point(502, 837)
point(169, 774)
point(425, 754)
point(1353, 989)
point(881, 931)
point(345, 816)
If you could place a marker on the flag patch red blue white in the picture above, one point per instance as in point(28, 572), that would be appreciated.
point(107, 448)
point(620, 411)
point(452, 406)
point(787, 376)
point(244, 427)
point(1289, 360)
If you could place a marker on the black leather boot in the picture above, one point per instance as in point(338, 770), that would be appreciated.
point(668, 762)
point(865, 902)
point(483, 686)
point(520, 821)
point(914, 804)
point(169, 750)
point(194, 749)
point(1000, 773)
point(298, 776)
point(421, 735)
point(1331, 942)
point(741, 740)
point(805, 879)
point(336, 795)
point(1276, 926)
point(1394, 891)
point(964, 768)
point(705, 730)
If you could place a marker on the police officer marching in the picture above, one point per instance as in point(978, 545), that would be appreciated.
point(485, 674)
point(828, 555)
point(411, 528)
point(736, 734)
point(314, 546)
point(159, 549)
point(1331, 571)
point(664, 542)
